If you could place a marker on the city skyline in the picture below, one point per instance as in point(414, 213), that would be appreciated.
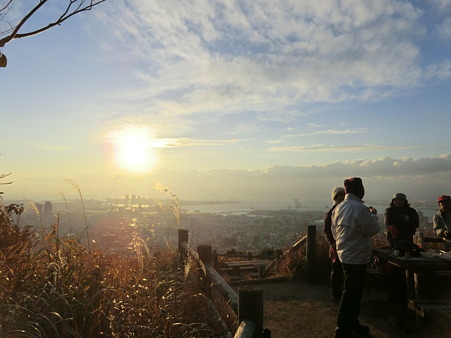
point(229, 99)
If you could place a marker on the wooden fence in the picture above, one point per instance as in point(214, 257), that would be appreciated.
point(247, 304)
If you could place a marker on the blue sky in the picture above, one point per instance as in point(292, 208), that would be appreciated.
point(231, 99)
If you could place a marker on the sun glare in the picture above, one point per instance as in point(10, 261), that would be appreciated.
point(133, 150)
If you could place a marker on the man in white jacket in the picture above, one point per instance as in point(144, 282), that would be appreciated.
point(353, 225)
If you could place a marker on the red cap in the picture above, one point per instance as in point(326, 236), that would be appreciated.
point(444, 198)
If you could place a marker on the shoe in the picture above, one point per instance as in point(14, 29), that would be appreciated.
point(344, 332)
point(360, 329)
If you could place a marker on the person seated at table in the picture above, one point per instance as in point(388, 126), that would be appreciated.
point(442, 220)
point(401, 221)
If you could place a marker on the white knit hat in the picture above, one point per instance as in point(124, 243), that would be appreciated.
point(336, 191)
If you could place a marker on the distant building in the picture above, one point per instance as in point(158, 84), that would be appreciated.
point(424, 220)
point(48, 208)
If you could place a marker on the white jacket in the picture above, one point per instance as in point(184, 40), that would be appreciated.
point(353, 226)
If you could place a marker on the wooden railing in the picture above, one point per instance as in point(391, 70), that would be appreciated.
point(247, 304)
point(310, 257)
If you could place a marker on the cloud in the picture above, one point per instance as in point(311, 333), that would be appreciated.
point(422, 178)
point(188, 142)
point(438, 71)
point(331, 132)
point(314, 125)
point(445, 29)
point(340, 148)
point(226, 57)
point(383, 167)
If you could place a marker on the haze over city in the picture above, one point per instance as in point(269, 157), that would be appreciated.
point(248, 100)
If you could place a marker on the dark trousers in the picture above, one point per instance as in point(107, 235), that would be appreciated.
point(354, 281)
point(336, 279)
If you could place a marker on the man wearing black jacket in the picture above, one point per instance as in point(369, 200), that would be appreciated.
point(401, 221)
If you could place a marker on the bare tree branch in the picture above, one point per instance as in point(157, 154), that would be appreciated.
point(4, 11)
point(3, 176)
point(6, 5)
point(72, 8)
point(7, 39)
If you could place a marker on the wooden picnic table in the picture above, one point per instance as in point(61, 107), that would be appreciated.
point(420, 278)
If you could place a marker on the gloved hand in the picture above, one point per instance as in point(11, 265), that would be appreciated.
point(393, 230)
point(373, 210)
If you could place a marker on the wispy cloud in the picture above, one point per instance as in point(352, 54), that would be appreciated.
point(331, 132)
point(319, 132)
point(232, 56)
point(188, 142)
point(340, 148)
point(314, 125)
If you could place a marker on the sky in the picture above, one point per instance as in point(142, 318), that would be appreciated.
point(248, 100)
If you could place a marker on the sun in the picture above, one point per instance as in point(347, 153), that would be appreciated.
point(133, 150)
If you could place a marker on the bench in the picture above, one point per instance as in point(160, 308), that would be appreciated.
point(421, 306)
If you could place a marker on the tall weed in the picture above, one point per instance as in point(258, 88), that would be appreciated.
point(52, 286)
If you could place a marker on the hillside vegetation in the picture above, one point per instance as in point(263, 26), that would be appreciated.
point(52, 286)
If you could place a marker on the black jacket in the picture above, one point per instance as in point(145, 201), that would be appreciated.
point(405, 219)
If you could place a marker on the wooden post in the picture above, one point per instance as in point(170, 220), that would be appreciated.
point(206, 256)
point(250, 307)
point(183, 236)
point(311, 254)
point(205, 253)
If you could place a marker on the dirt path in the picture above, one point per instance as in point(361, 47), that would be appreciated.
point(295, 308)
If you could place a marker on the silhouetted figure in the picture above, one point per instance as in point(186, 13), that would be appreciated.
point(336, 274)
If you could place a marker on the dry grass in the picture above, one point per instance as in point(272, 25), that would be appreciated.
point(294, 261)
point(55, 287)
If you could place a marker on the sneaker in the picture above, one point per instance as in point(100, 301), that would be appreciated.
point(344, 332)
point(360, 329)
